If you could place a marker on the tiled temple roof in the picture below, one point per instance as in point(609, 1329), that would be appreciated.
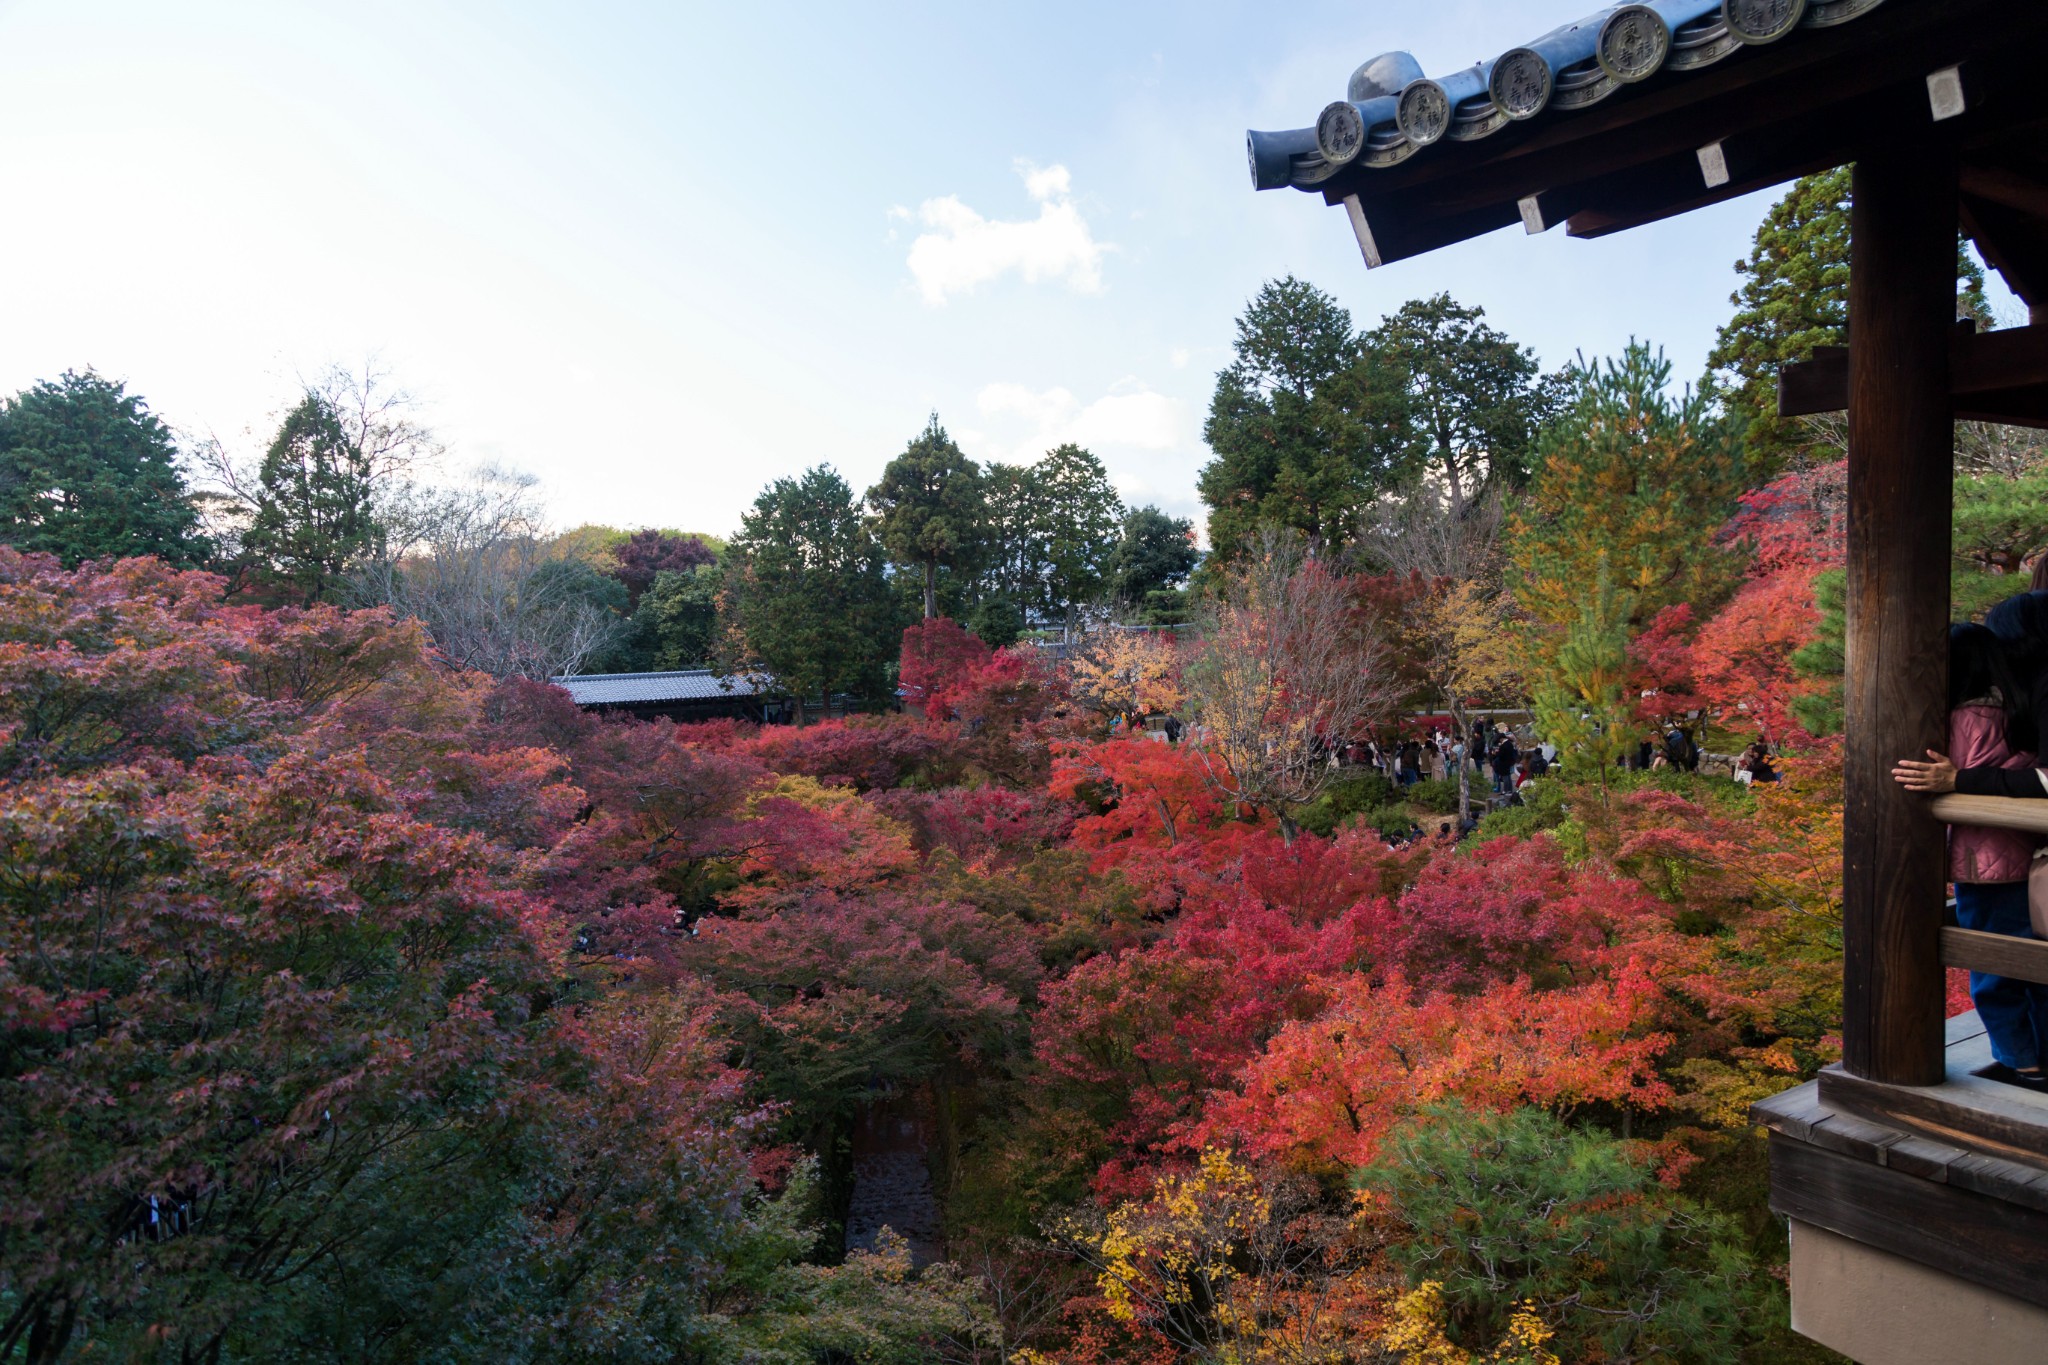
point(632, 689)
point(1392, 111)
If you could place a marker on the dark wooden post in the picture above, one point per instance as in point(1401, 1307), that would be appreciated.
point(1901, 451)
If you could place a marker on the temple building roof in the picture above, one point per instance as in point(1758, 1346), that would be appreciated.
point(640, 689)
point(1643, 111)
point(1392, 111)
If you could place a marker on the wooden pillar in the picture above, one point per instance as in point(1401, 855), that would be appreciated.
point(1901, 452)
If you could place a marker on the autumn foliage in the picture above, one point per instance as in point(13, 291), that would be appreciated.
point(355, 1003)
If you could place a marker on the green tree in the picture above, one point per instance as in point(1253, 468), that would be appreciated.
point(1824, 656)
point(931, 509)
point(313, 517)
point(807, 590)
point(676, 623)
point(1582, 703)
point(1794, 298)
point(1080, 514)
point(1154, 552)
point(1508, 1208)
point(996, 620)
point(1286, 452)
point(1633, 482)
point(1013, 559)
point(87, 471)
point(1470, 400)
point(1999, 522)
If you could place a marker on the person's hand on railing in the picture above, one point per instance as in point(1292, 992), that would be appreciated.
point(1916, 776)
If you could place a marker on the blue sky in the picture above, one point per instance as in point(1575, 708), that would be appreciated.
point(660, 254)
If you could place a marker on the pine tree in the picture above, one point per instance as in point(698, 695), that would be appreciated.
point(87, 471)
point(1581, 700)
point(1632, 482)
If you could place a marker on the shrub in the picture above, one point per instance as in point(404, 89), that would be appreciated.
point(1393, 821)
point(1344, 799)
point(1515, 1207)
point(1438, 794)
point(1542, 808)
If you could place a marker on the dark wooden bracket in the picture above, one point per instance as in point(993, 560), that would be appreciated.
point(1993, 377)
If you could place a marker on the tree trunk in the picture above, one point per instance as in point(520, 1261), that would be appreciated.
point(1461, 734)
point(1450, 459)
point(931, 588)
point(799, 703)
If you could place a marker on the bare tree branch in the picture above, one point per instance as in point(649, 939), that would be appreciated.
point(476, 565)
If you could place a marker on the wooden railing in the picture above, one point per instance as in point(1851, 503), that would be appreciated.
point(2000, 812)
point(1997, 954)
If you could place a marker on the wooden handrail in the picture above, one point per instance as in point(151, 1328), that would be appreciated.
point(2024, 959)
point(1999, 812)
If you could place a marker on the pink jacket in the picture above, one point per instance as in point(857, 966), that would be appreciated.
point(1976, 739)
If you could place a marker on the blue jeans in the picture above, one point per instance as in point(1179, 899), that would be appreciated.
point(2015, 1012)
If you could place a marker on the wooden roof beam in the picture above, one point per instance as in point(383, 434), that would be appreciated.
point(1993, 377)
point(2014, 243)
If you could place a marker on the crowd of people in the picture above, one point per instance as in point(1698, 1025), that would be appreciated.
point(1508, 759)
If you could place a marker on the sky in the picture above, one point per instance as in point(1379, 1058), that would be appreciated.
point(659, 255)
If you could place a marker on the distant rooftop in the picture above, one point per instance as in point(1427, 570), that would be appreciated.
point(628, 689)
point(1392, 111)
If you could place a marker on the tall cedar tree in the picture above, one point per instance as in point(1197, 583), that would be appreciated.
point(807, 589)
point(1634, 480)
point(1013, 557)
point(1471, 399)
point(1082, 513)
point(1281, 454)
point(87, 471)
point(313, 516)
point(1795, 297)
point(932, 509)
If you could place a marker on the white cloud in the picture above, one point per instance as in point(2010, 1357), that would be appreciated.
point(1139, 421)
point(1179, 357)
point(1045, 182)
point(1130, 417)
point(1040, 410)
point(964, 249)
